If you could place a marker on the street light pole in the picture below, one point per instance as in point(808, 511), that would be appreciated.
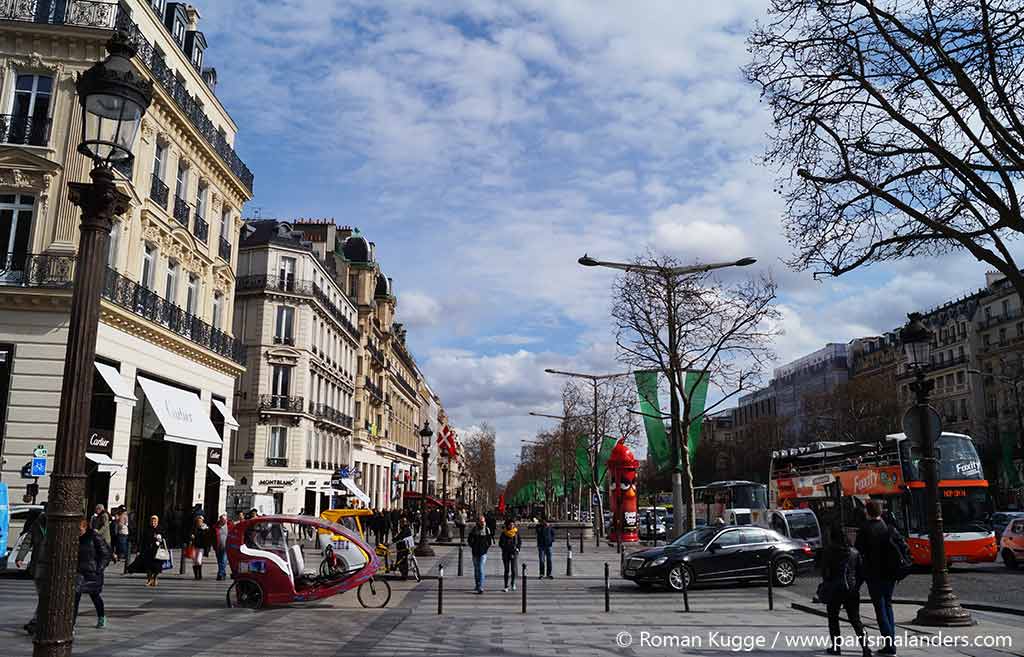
point(445, 535)
point(943, 607)
point(113, 100)
point(423, 549)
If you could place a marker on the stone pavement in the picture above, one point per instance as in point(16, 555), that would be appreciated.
point(565, 618)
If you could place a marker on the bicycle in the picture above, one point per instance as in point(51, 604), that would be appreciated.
point(391, 562)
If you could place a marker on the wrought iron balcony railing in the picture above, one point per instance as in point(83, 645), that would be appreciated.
point(181, 211)
point(376, 394)
point(159, 191)
point(98, 14)
point(284, 403)
point(201, 229)
point(224, 250)
point(329, 414)
point(24, 130)
point(36, 270)
point(128, 294)
point(303, 288)
point(277, 462)
point(284, 339)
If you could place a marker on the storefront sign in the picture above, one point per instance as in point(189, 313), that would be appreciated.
point(213, 454)
point(275, 482)
point(872, 481)
point(101, 441)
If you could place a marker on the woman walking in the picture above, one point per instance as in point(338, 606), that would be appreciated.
point(510, 543)
point(93, 557)
point(121, 536)
point(842, 574)
point(199, 543)
point(153, 550)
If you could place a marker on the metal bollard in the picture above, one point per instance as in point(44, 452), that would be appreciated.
point(181, 566)
point(440, 589)
point(460, 561)
point(771, 589)
point(523, 582)
point(686, 597)
point(568, 563)
point(607, 590)
point(581, 541)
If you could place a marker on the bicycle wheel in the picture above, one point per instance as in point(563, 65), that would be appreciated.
point(245, 594)
point(374, 594)
point(415, 567)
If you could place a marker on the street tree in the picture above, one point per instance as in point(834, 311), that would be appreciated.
point(898, 128)
point(479, 446)
point(722, 332)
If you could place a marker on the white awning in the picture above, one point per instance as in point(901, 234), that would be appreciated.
point(221, 473)
point(104, 463)
point(351, 486)
point(124, 392)
point(181, 415)
point(229, 420)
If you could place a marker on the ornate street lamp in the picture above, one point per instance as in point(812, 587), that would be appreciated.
point(942, 608)
point(113, 100)
point(445, 534)
point(424, 549)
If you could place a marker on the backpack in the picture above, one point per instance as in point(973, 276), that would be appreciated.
point(899, 561)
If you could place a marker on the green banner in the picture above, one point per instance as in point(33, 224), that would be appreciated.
point(583, 458)
point(654, 425)
point(1009, 443)
point(697, 393)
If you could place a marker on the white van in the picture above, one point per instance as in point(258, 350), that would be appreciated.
point(799, 524)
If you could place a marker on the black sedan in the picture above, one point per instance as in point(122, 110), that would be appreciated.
point(720, 554)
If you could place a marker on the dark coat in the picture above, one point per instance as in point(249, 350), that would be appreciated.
point(480, 539)
point(148, 548)
point(510, 545)
point(545, 536)
point(874, 544)
point(404, 533)
point(93, 557)
point(842, 569)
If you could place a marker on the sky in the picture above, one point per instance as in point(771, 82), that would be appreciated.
point(485, 146)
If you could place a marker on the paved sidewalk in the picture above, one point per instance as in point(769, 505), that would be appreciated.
point(565, 618)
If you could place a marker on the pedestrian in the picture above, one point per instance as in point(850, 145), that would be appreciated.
point(545, 539)
point(39, 565)
point(460, 522)
point(100, 523)
point(153, 550)
point(121, 534)
point(395, 520)
point(240, 516)
point(220, 545)
point(881, 547)
point(510, 543)
point(93, 557)
point(842, 571)
point(198, 543)
point(402, 547)
point(492, 524)
point(480, 539)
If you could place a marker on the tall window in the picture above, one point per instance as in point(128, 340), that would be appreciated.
point(148, 265)
point(281, 382)
point(201, 200)
point(192, 298)
point(171, 283)
point(283, 331)
point(277, 448)
point(179, 31)
point(181, 188)
point(159, 158)
point(15, 224)
point(30, 123)
point(115, 238)
point(218, 302)
point(286, 273)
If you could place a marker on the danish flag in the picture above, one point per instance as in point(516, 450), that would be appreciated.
point(446, 440)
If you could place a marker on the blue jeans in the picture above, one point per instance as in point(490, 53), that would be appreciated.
point(881, 596)
point(479, 565)
point(222, 563)
point(545, 553)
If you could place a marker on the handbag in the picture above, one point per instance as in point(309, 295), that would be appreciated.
point(162, 553)
point(189, 553)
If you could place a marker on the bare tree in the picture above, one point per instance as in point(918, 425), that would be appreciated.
point(479, 447)
point(697, 323)
point(899, 128)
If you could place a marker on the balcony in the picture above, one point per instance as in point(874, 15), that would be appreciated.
point(159, 192)
point(284, 339)
point(181, 211)
point(303, 288)
point(201, 229)
point(97, 14)
point(24, 130)
point(277, 462)
point(145, 303)
point(35, 270)
point(376, 394)
point(327, 414)
point(376, 355)
point(224, 250)
point(1010, 315)
point(283, 403)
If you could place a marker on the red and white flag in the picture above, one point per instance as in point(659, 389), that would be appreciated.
point(446, 440)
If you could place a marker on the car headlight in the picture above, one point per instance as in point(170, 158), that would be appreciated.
point(658, 561)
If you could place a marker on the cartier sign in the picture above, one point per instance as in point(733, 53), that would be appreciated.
point(101, 441)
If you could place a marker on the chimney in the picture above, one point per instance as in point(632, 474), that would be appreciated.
point(373, 252)
point(192, 15)
point(993, 277)
point(210, 78)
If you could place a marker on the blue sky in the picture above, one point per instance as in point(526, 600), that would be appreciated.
point(485, 145)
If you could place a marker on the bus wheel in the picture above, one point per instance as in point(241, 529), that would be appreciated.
point(1009, 560)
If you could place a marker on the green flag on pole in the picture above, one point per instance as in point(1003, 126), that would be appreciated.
point(654, 426)
point(583, 458)
point(697, 391)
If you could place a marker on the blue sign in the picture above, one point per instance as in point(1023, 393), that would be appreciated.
point(5, 519)
point(38, 467)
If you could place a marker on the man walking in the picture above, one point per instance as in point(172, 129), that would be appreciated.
point(545, 539)
point(220, 545)
point(480, 539)
point(40, 564)
point(460, 522)
point(877, 545)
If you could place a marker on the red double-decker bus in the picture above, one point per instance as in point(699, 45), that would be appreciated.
point(837, 479)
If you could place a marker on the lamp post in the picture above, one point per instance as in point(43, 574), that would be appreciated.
point(113, 100)
point(674, 366)
point(423, 549)
point(942, 608)
point(446, 465)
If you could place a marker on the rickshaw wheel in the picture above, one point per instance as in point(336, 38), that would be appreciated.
point(374, 594)
point(245, 594)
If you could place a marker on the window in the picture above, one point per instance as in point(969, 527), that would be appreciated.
point(1006, 307)
point(201, 200)
point(286, 273)
point(181, 189)
point(148, 264)
point(283, 329)
point(1002, 336)
point(727, 539)
point(960, 377)
point(282, 380)
point(15, 224)
point(115, 236)
point(278, 445)
point(171, 284)
point(159, 158)
point(192, 297)
point(218, 301)
point(179, 31)
point(30, 120)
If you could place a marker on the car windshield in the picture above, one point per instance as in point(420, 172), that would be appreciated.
point(803, 525)
point(696, 538)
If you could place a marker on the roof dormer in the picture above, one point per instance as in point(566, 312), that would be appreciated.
point(195, 48)
point(176, 21)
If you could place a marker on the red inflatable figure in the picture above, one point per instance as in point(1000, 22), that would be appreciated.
point(622, 467)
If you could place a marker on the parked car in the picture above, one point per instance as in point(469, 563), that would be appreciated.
point(1011, 546)
point(651, 524)
point(22, 515)
point(1000, 519)
point(797, 524)
point(720, 554)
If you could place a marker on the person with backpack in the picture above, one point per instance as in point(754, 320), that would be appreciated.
point(886, 561)
point(842, 571)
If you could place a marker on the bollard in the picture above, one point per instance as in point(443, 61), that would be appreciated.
point(440, 589)
point(581, 541)
point(686, 597)
point(181, 568)
point(568, 540)
point(771, 591)
point(460, 561)
point(568, 563)
point(523, 582)
point(127, 558)
point(607, 590)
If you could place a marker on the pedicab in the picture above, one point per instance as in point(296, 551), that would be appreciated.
point(268, 564)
